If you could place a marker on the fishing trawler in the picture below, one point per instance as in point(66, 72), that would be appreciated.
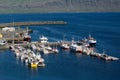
point(91, 40)
point(43, 39)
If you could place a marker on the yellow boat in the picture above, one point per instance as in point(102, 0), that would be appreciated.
point(33, 65)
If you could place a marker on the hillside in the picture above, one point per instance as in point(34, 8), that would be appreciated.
point(39, 6)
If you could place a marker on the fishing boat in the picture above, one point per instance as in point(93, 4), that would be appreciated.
point(27, 37)
point(91, 40)
point(3, 42)
point(45, 51)
point(55, 50)
point(33, 65)
point(48, 48)
point(65, 45)
point(75, 47)
point(43, 39)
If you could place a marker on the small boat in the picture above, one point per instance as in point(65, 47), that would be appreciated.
point(3, 42)
point(33, 46)
point(45, 51)
point(55, 50)
point(48, 48)
point(33, 65)
point(43, 39)
point(95, 54)
point(8, 29)
point(27, 37)
point(91, 40)
point(65, 46)
point(76, 48)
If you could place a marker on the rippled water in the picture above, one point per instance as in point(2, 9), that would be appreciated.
point(105, 27)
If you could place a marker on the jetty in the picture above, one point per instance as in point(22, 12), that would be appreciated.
point(30, 23)
point(103, 56)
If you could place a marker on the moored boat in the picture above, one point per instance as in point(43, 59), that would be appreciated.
point(91, 40)
point(65, 45)
point(3, 42)
point(43, 39)
point(27, 37)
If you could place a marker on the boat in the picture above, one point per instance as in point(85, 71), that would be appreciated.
point(33, 65)
point(3, 42)
point(95, 54)
point(75, 47)
point(45, 51)
point(65, 45)
point(43, 39)
point(10, 29)
point(27, 37)
point(87, 50)
point(91, 40)
point(84, 42)
point(55, 50)
point(48, 48)
point(33, 46)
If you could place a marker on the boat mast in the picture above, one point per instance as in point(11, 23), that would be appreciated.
point(27, 30)
point(13, 34)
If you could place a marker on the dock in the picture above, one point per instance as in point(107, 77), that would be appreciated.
point(30, 23)
point(104, 56)
point(8, 35)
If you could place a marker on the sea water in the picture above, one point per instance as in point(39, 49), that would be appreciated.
point(104, 27)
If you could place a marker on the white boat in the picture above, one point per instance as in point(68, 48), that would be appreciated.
point(45, 51)
point(3, 42)
point(48, 48)
point(43, 39)
point(76, 48)
point(33, 47)
point(10, 29)
point(65, 46)
point(91, 40)
point(89, 50)
point(55, 50)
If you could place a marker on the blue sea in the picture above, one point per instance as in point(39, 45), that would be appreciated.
point(104, 27)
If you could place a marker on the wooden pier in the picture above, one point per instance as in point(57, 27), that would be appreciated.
point(16, 24)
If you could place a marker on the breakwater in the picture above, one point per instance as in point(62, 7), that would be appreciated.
point(16, 24)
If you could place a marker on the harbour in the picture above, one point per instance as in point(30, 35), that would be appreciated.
point(70, 55)
point(19, 41)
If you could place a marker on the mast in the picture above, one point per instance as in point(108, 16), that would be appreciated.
point(13, 34)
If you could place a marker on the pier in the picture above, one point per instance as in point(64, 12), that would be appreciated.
point(16, 24)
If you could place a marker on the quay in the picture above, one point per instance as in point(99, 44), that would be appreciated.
point(32, 23)
point(14, 35)
point(25, 44)
point(104, 56)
